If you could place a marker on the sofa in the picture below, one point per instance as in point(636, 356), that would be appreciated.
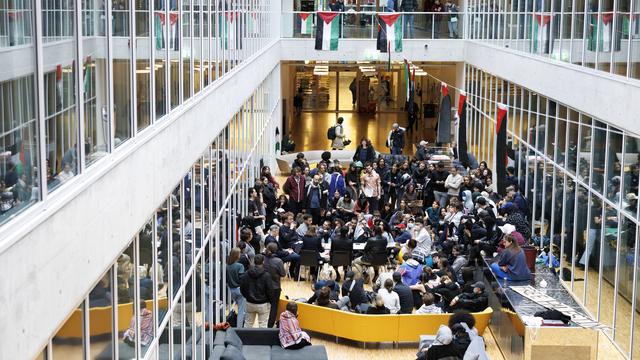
point(259, 344)
point(375, 328)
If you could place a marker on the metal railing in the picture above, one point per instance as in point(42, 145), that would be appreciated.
point(365, 25)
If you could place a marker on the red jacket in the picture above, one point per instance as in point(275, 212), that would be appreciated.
point(295, 190)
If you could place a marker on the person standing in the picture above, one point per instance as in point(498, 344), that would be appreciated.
point(294, 187)
point(371, 187)
point(275, 267)
point(353, 87)
point(298, 99)
point(453, 182)
point(338, 141)
point(408, 6)
point(452, 9)
point(234, 271)
point(316, 195)
point(395, 140)
point(257, 288)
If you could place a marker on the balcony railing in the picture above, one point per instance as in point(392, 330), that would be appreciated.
point(365, 25)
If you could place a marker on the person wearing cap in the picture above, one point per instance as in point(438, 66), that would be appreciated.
point(631, 203)
point(476, 301)
point(395, 139)
point(438, 179)
point(512, 264)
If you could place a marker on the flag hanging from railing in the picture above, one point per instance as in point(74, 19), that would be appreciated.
point(444, 119)
point(540, 31)
point(59, 87)
point(601, 36)
point(462, 130)
point(231, 39)
point(328, 31)
point(390, 33)
point(306, 23)
point(161, 30)
point(501, 149)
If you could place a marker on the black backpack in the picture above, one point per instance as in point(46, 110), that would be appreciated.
point(331, 133)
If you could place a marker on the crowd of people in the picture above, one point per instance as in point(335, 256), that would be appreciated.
point(415, 229)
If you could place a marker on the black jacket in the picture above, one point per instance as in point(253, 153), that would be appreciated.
point(256, 286)
point(340, 244)
point(375, 245)
point(280, 252)
point(312, 243)
point(371, 154)
point(287, 237)
point(406, 298)
point(397, 139)
point(274, 266)
point(473, 302)
point(356, 295)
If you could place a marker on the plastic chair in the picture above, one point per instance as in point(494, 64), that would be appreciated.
point(341, 258)
point(309, 258)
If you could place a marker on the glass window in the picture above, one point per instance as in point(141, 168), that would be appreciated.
point(94, 80)
point(19, 154)
point(630, 171)
point(599, 149)
point(187, 48)
point(614, 166)
point(162, 250)
point(143, 66)
point(101, 315)
point(160, 49)
point(67, 343)
point(146, 287)
point(626, 248)
point(61, 120)
point(177, 326)
point(122, 94)
point(126, 300)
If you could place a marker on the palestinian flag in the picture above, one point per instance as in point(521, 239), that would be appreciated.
point(540, 31)
point(87, 76)
point(306, 23)
point(230, 33)
point(500, 175)
point(462, 130)
point(59, 87)
point(407, 79)
point(160, 29)
point(390, 33)
point(630, 26)
point(444, 118)
point(328, 31)
point(601, 35)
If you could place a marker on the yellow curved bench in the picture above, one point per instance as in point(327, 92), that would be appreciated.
point(375, 328)
point(100, 319)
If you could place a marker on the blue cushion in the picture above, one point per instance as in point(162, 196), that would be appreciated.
point(233, 339)
point(232, 353)
point(258, 352)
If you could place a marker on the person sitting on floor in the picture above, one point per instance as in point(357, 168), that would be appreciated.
point(512, 264)
point(476, 301)
point(390, 297)
point(428, 306)
point(377, 307)
point(291, 336)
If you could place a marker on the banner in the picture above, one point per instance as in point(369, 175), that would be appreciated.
point(444, 119)
point(462, 130)
point(328, 31)
point(501, 149)
point(389, 33)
